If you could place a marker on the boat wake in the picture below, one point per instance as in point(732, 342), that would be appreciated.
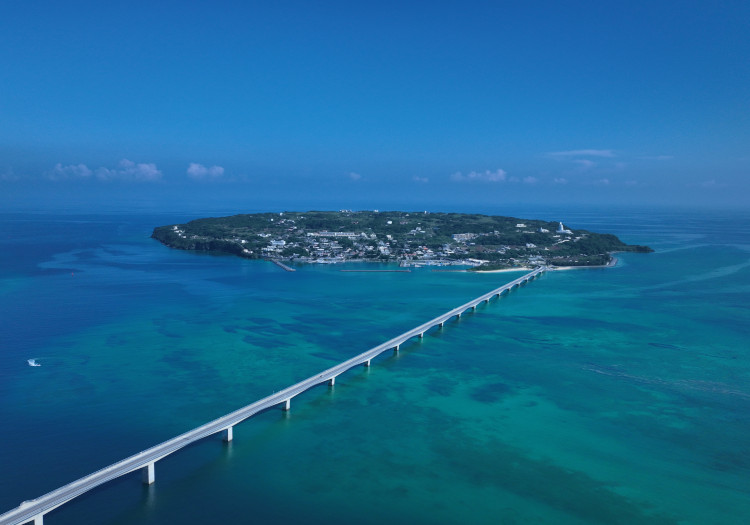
point(32, 362)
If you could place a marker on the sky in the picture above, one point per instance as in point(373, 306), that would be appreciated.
point(394, 105)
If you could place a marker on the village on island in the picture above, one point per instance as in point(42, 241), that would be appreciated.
point(411, 239)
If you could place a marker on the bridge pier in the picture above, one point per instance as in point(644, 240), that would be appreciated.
point(39, 519)
point(367, 363)
point(148, 475)
point(395, 349)
point(440, 325)
point(228, 435)
point(332, 381)
point(474, 308)
point(421, 335)
point(287, 405)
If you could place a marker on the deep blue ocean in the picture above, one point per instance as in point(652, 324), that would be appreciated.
point(615, 396)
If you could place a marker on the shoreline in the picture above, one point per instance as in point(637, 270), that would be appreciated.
point(378, 271)
point(611, 264)
point(504, 270)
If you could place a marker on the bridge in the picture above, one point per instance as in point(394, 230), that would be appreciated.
point(34, 510)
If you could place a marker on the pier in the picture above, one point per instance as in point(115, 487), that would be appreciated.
point(145, 461)
point(282, 265)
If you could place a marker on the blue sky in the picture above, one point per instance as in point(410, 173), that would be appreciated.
point(374, 104)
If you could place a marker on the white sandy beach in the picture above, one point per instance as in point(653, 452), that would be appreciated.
point(520, 269)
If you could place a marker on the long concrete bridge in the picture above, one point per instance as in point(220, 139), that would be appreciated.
point(34, 510)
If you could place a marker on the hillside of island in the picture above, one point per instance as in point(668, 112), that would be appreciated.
point(481, 242)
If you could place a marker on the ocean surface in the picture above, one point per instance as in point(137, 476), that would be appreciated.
point(591, 396)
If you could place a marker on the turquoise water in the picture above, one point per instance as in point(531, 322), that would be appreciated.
point(589, 396)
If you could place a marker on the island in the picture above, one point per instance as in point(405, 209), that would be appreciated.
point(480, 242)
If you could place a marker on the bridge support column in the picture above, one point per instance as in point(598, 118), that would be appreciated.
point(287, 405)
point(421, 336)
point(228, 435)
point(332, 381)
point(39, 519)
point(367, 363)
point(395, 349)
point(441, 324)
point(148, 475)
point(474, 308)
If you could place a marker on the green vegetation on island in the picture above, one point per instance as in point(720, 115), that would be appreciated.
point(411, 238)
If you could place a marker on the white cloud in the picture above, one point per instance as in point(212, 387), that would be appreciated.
point(560, 180)
point(9, 175)
point(585, 164)
point(707, 184)
point(127, 170)
point(200, 172)
point(602, 182)
point(530, 180)
point(73, 171)
point(485, 176)
point(583, 153)
point(355, 176)
point(424, 180)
